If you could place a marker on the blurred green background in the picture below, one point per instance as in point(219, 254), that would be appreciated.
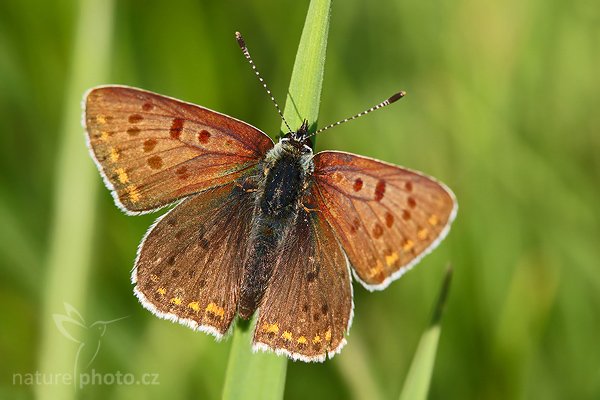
point(503, 105)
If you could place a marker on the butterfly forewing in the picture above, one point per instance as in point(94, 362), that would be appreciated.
point(307, 308)
point(153, 150)
point(385, 216)
point(189, 265)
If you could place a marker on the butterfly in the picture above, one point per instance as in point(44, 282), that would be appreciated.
point(258, 227)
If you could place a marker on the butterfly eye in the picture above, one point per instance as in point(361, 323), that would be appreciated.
point(308, 143)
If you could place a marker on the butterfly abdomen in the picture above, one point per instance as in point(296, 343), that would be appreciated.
point(277, 205)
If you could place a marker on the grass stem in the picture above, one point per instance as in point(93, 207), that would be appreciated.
point(69, 252)
point(262, 376)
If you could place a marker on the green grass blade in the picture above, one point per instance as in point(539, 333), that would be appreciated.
point(69, 253)
point(303, 98)
point(252, 376)
point(416, 385)
point(262, 376)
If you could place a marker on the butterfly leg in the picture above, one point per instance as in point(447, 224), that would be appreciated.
point(247, 185)
point(309, 208)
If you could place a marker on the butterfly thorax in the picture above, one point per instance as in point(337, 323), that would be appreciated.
point(284, 178)
point(285, 169)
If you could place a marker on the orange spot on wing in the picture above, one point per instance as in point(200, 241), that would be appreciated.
point(433, 220)
point(408, 245)
point(203, 136)
point(182, 172)
point(412, 203)
point(270, 328)
point(135, 118)
point(122, 175)
point(133, 131)
point(149, 145)
point(422, 234)
point(176, 128)
point(358, 184)
point(215, 309)
point(133, 192)
point(194, 305)
point(377, 231)
point(355, 225)
point(389, 220)
point(301, 340)
point(155, 162)
point(176, 300)
point(287, 335)
point(376, 270)
point(114, 154)
point(391, 259)
point(379, 190)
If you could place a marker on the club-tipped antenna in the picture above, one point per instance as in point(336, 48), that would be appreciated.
point(384, 103)
point(242, 44)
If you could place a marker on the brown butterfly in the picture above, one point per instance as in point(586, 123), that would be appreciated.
point(258, 226)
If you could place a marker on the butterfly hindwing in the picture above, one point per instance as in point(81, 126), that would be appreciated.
point(307, 308)
point(386, 217)
point(190, 263)
point(153, 150)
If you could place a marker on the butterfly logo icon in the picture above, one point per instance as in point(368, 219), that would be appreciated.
point(258, 227)
point(88, 336)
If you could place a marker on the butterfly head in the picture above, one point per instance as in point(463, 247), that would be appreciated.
point(295, 147)
point(300, 139)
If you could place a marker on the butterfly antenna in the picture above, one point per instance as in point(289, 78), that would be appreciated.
point(242, 44)
point(387, 102)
